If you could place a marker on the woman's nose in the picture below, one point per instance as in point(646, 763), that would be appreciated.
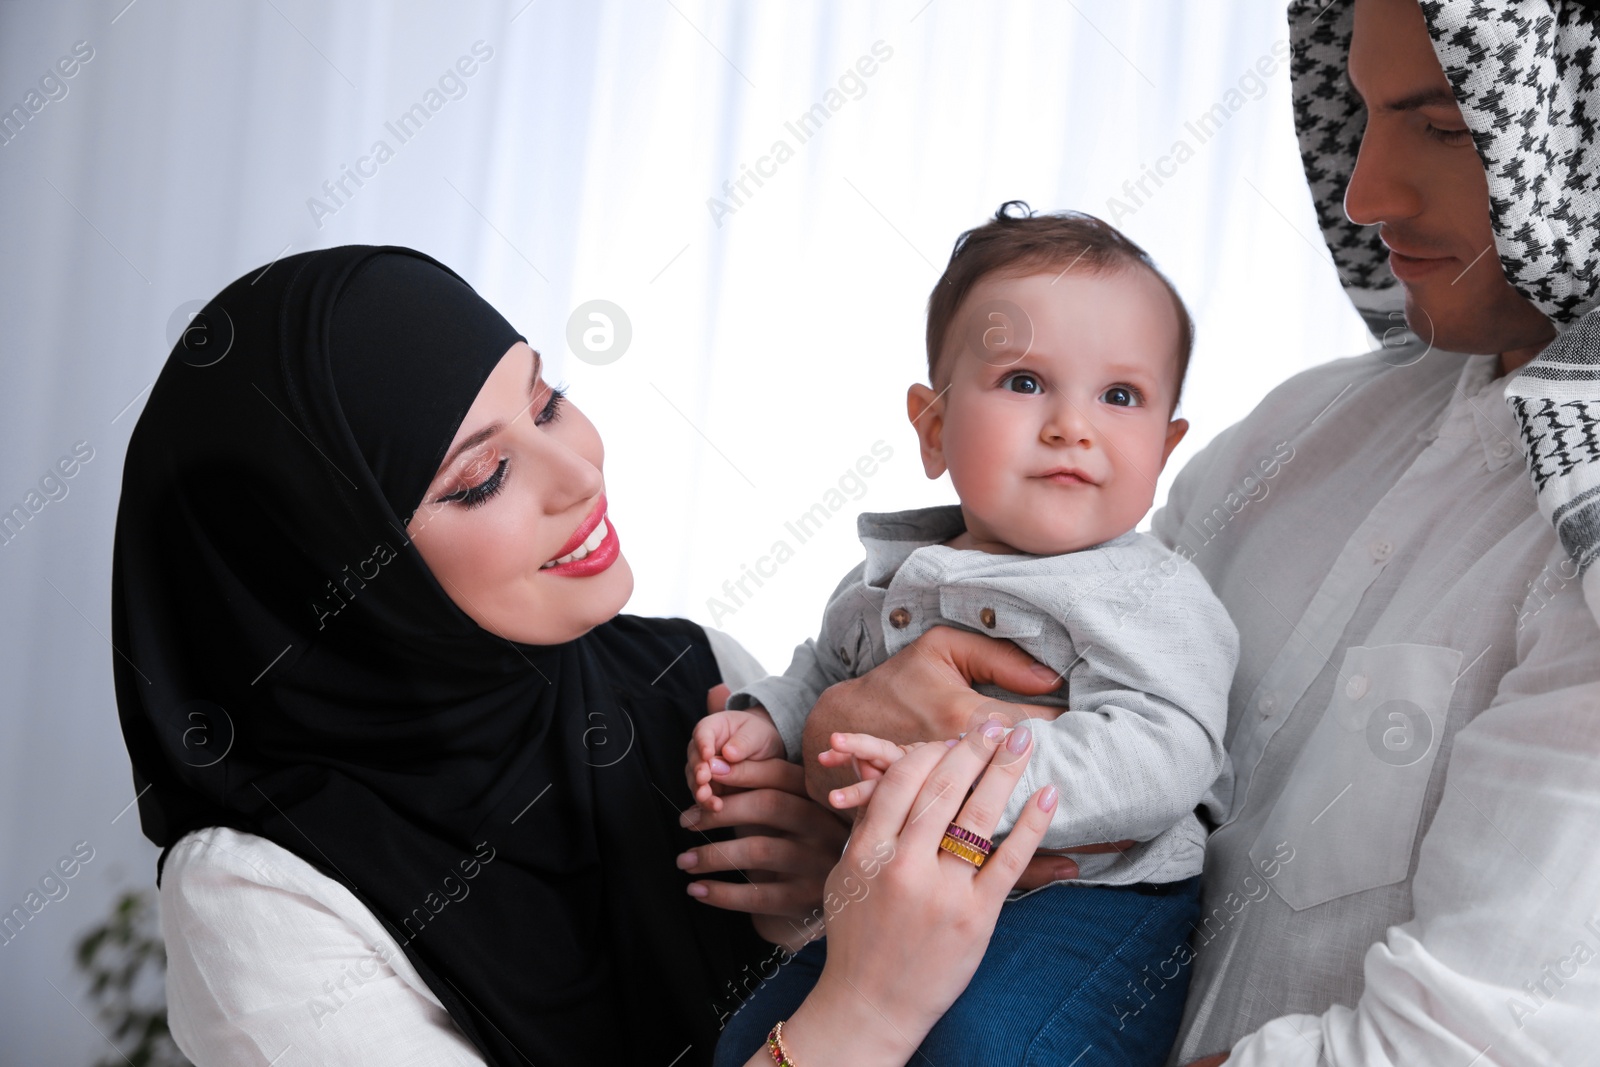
point(566, 477)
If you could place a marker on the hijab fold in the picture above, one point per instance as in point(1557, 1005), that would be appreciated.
point(289, 667)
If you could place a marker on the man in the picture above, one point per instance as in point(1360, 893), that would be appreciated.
point(1408, 874)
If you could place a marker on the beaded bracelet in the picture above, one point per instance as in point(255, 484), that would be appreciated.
point(780, 1055)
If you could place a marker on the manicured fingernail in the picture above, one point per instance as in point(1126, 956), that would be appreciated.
point(836, 798)
point(1047, 799)
point(697, 890)
point(687, 860)
point(1017, 743)
point(993, 731)
point(718, 766)
point(690, 817)
point(953, 742)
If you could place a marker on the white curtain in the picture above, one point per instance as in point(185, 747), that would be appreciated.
point(557, 153)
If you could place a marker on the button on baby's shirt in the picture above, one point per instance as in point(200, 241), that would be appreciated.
point(1267, 704)
point(1356, 687)
point(1381, 550)
point(1502, 449)
point(899, 618)
point(986, 616)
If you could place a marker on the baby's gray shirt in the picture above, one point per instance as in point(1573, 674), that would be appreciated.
point(1147, 650)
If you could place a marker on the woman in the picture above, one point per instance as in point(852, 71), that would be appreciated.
point(416, 782)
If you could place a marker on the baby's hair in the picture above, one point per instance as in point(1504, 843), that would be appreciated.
point(1020, 241)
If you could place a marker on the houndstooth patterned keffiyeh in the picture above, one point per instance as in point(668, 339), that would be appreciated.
point(1527, 76)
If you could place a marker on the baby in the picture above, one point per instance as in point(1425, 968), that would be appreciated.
point(1056, 354)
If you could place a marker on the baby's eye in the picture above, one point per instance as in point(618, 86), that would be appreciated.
point(1122, 396)
point(1024, 383)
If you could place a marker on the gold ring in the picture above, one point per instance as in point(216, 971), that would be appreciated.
point(962, 850)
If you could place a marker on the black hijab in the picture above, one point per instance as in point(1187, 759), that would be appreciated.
point(288, 666)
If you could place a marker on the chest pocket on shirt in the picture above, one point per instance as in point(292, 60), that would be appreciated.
point(1353, 801)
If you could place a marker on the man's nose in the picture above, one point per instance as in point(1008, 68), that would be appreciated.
point(1382, 186)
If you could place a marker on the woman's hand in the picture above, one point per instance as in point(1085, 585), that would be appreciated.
point(785, 847)
point(907, 908)
point(922, 692)
point(902, 690)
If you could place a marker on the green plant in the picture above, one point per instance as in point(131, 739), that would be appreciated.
point(126, 964)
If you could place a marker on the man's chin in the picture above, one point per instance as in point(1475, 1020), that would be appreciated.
point(1473, 321)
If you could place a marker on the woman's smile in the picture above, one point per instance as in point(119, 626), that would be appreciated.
point(591, 549)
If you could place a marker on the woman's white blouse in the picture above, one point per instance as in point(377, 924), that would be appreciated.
point(271, 962)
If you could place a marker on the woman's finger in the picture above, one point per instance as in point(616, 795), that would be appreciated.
point(781, 855)
point(945, 790)
point(773, 808)
point(982, 810)
point(764, 774)
point(759, 898)
point(1005, 865)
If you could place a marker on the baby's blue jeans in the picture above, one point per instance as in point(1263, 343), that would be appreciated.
point(1074, 976)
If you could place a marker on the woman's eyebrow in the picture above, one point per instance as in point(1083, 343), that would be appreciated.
point(471, 441)
point(478, 438)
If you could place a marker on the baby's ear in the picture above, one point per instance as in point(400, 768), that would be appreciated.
point(925, 409)
point(1175, 431)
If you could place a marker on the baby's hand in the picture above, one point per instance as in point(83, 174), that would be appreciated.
point(868, 756)
point(724, 738)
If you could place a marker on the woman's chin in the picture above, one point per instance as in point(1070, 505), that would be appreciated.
point(567, 611)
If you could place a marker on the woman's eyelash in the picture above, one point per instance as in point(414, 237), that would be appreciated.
point(476, 495)
point(552, 407)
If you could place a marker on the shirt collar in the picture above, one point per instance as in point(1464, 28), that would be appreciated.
point(889, 537)
point(1477, 409)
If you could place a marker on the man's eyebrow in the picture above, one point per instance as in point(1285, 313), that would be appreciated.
point(1438, 96)
point(478, 438)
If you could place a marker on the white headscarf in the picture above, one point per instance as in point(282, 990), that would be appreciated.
point(1527, 76)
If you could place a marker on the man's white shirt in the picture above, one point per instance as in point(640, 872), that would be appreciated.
point(1415, 725)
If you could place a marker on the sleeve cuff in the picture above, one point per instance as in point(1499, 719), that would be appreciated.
point(785, 702)
point(1288, 1041)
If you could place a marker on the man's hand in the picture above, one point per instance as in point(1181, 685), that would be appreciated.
point(923, 693)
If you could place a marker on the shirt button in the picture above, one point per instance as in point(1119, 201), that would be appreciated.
point(899, 618)
point(1356, 687)
point(1502, 450)
point(986, 616)
point(1268, 703)
point(1381, 550)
